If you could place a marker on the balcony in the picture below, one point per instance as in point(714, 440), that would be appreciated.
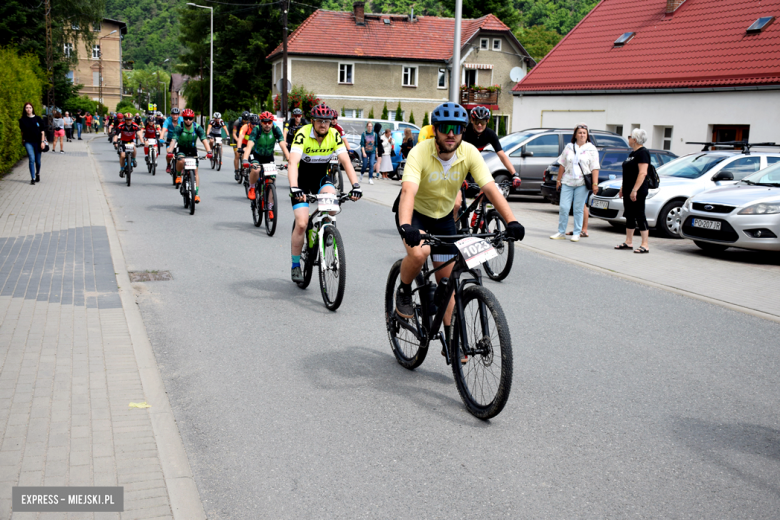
point(478, 96)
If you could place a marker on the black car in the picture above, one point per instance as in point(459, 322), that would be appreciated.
point(611, 162)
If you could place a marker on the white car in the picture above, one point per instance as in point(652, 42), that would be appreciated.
point(681, 179)
point(745, 215)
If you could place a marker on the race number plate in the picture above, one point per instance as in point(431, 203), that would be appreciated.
point(327, 202)
point(334, 161)
point(152, 142)
point(218, 140)
point(190, 163)
point(129, 146)
point(475, 251)
point(269, 170)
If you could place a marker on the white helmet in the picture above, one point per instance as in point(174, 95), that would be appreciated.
point(217, 115)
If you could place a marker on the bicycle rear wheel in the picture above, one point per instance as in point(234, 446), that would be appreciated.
point(409, 351)
point(498, 268)
point(333, 268)
point(270, 214)
point(485, 379)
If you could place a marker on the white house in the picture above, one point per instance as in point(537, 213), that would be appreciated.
point(683, 70)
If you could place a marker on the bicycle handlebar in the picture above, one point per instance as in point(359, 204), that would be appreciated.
point(434, 240)
point(342, 197)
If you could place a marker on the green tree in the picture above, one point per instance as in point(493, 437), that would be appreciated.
point(125, 106)
point(425, 120)
point(538, 40)
point(80, 102)
point(153, 33)
point(148, 85)
point(371, 113)
point(384, 112)
point(398, 113)
point(504, 10)
point(411, 118)
point(343, 112)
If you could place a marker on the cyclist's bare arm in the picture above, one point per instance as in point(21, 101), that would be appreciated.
point(347, 165)
point(506, 162)
point(495, 196)
point(207, 144)
point(283, 146)
point(208, 130)
point(406, 204)
point(172, 146)
point(248, 150)
point(292, 169)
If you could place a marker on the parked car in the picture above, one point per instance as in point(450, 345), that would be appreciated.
point(398, 136)
point(681, 179)
point(745, 215)
point(531, 151)
point(357, 125)
point(611, 162)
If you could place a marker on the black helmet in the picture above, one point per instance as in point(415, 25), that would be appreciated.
point(245, 115)
point(480, 113)
point(175, 110)
point(254, 120)
point(297, 112)
point(449, 113)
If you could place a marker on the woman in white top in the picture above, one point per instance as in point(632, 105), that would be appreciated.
point(579, 158)
point(68, 126)
point(387, 161)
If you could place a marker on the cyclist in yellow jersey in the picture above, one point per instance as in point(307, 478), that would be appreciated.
point(426, 132)
point(434, 171)
point(311, 151)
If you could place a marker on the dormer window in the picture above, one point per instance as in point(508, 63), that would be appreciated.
point(624, 38)
point(760, 24)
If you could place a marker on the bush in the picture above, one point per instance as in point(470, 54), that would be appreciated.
point(299, 97)
point(125, 106)
point(80, 102)
point(411, 118)
point(399, 113)
point(23, 82)
point(384, 112)
point(425, 120)
point(371, 113)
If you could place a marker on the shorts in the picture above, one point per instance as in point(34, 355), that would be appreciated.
point(435, 226)
point(260, 159)
point(59, 133)
point(311, 184)
point(182, 155)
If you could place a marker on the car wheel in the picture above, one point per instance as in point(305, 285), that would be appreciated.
point(501, 177)
point(669, 220)
point(712, 248)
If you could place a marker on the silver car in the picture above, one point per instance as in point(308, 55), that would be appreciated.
point(681, 179)
point(745, 215)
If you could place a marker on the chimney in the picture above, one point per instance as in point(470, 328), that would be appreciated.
point(360, 13)
point(673, 5)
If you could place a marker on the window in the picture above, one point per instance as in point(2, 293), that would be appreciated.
point(69, 75)
point(95, 78)
point(744, 166)
point(353, 112)
point(483, 43)
point(96, 27)
point(655, 160)
point(391, 115)
point(95, 52)
point(667, 138)
point(442, 83)
point(772, 160)
point(345, 73)
point(613, 160)
point(543, 146)
point(760, 24)
point(606, 140)
point(624, 39)
point(68, 50)
point(721, 133)
point(409, 77)
point(470, 77)
point(497, 44)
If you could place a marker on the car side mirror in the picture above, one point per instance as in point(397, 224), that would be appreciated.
point(526, 154)
point(723, 175)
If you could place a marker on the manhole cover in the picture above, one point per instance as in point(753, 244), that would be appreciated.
point(150, 276)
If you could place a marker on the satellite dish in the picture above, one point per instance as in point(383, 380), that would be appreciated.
point(516, 74)
point(280, 85)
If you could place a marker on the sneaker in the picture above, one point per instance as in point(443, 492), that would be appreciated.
point(62, 151)
point(135, 164)
point(361, 177)
point(575, 238)
point(297, 274)
point(558, 236)
point(32, 181)
point(270, 214)
point(403, 304)
point(371, 181)
point(37, 177)
point(178, 180)
point(197, 199)
point(122, 174)
point(167, 169)
point(251, 194)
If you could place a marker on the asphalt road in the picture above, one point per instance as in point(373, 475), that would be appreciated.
point(627, 401)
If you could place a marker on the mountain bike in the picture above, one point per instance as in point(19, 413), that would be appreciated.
point(216, 154)
point(128, 148)
point(334, 172)
point(173, 165)
point(151, 159)
point(485, 219)
point(265, 198)
point(239, 175)
point(324, 247)
point(187, 187)
point(480, 346)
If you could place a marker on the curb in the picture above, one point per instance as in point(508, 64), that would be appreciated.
point(182, 491)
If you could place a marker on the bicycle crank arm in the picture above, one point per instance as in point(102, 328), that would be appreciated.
point(411, 328)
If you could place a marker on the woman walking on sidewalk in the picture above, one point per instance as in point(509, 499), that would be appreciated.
point(634, 191)
point(59, 131)
point(33, 139)
point(579, 158)
point(68, 126)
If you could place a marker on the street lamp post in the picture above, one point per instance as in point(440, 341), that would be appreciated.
point(455, 74)
point(100, 51)
point(211, 68)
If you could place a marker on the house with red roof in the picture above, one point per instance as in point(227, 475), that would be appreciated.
point(683, 70)
point(358, 61)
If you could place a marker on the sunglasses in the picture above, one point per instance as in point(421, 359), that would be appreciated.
point(189, 118)
point(323, 121)
point(480, 121)
point(582, 126)
point(266, 121)
point(449, 127)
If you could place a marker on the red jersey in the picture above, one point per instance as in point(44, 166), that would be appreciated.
point(150, 132)
point(127, 131)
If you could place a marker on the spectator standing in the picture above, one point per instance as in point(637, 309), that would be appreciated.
point(88, 120)
point(68, 126)
point(59, 131)
point(379, 148)
point(387, 160)
point(408, 143)
point(33, 138)
point(578, 159)
point(368, 145)
point(79, 122)
point(634, 189)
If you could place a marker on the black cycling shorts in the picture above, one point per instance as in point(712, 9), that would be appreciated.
point(310, 184)
point(435, 226)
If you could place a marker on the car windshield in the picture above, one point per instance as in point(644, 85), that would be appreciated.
point(691, 166)
point(510, 141)
point(769, 176)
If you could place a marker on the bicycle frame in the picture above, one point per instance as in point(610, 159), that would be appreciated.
point(320, 220)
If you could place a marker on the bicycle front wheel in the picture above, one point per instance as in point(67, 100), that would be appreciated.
point(308, 257)
point(333, 268)
point(409, 351)
point(218, 158)
point(498, 268)
point(482, 364)
point(192, 193)
point(270, 214)
point(257, 213)
point(153, 164)
point(129, 171)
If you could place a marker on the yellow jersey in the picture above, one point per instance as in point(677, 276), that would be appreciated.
point(437, 190)
point(426, 132)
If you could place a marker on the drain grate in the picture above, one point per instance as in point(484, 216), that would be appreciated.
point(150, 276)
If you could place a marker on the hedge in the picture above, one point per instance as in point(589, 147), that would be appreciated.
point(23, 81)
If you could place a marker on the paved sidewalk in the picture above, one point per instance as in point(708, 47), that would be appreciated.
point(74, 352)
point(742, 280)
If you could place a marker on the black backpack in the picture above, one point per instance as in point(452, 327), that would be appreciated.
point(653, 180)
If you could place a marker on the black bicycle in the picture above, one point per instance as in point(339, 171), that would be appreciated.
point(188, 188)
point(265, 198)
point(336, 177)
point(480, 346)
point(127, 167)
point(485, 219)
point(216, 153)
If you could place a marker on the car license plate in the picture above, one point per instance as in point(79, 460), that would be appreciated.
point(706, 224)
point(602, 204)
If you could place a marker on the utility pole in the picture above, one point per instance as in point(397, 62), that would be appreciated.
point(49, 62)
point(285, 8)
point(455, 69)
point(201, 90)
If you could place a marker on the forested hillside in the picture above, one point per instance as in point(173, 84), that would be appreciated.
point(152, 30)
